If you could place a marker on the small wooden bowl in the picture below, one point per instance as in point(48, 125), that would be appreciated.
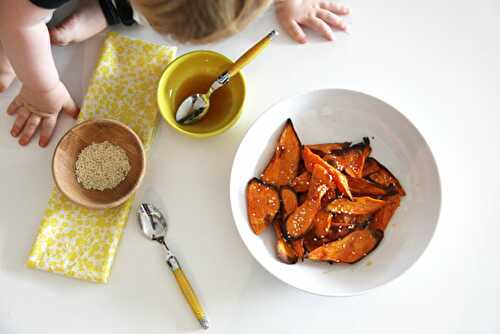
point(98, 131)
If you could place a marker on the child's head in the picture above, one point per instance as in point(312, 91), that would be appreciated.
point(199, 21)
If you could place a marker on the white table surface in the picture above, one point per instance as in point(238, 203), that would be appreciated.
point(436, 61)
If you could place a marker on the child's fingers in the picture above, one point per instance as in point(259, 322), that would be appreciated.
point(70, 108)
point(336, 8)
point(320, 26)
point(47, 130)
point(332, 19)
point(14, 105)
point(22, 117)
point(29, 129)
point(295, 31)
point(59, 35)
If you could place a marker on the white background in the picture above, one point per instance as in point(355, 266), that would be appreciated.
point(438, 62)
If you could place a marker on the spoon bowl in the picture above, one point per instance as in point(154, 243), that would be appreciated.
point(152, 222)
point(193, 108)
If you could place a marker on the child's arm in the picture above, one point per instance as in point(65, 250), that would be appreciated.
point(26, 42)
point(318, 15)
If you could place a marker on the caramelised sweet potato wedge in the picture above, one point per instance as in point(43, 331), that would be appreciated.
point(352, 159)
point(298, 247)
point(349, 249)
point(385, 178)
point(284, 250)
point(383, 216)
point(338, 232)
point(371, 166)
point(322, 223)
point(301, 183)
point(299, 222)
point(284, 165)
point(354, 221)
point(313, 241)
point(289, 201)
point(323, 149)
point(263, 204)
point(330, 195)
point(363, 187)
point(358, 205)
point(311, 159)
point(320, 179)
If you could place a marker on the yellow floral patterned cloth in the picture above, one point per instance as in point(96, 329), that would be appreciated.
point(79, 242)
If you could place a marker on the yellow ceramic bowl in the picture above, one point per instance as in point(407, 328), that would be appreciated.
point(193, 73)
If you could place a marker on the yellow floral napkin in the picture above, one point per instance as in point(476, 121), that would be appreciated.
point(79, 242)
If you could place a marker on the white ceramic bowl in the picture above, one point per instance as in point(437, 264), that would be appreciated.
point(333, 115)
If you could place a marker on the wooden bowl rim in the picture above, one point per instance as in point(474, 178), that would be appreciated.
point(126, 196)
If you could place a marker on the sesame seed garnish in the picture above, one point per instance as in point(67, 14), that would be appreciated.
point(101, 166)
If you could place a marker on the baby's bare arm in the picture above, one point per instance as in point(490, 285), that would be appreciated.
point(26, 41)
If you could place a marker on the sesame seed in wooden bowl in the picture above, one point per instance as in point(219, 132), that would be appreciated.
point(105, 181)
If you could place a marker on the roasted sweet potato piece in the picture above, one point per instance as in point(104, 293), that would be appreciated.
point(352, 159)
point(301, 183)
point(385, 178)
point(383, 216)
point(284, 165)
point(358, 205)
point(349, 249)
point(298, 247)
point(322, 223)
point(284, 250)
point(320, 180)
point(342, 220)
point(311, 241)
point(330, 195)
point(323, 149)
point(299, 222)
point(371, 166)
point(289, 201)
point(338, 232)
point(263, 204)
point(362, 187)
point(311, 159)
point(302, 167)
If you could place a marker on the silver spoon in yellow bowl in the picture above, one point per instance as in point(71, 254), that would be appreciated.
point(196, 106)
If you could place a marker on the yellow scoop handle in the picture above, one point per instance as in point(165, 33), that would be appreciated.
point(251, 54)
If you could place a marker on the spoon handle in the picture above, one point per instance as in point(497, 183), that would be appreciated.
point(188, 291)
point(251, 54)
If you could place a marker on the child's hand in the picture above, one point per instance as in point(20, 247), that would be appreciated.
point(35, 110)
point(318, 15)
